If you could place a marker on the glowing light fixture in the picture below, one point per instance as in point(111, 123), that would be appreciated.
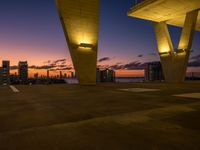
point(181, 51)
point(85, 46)
point(164, 48)
point(164, 53)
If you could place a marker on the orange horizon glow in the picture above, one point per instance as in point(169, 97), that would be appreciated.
point(118, 73)
point(129, 73)
point(43, 72)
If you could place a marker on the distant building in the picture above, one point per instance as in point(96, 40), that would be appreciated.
point(72, 74)
point(193, 76)
point(47, 73)
point(5, 72)
point(65, 75)
point(61, 74)
point(153, 71)
point(1, 75)
point(14, 79)
point(106, 75)
point(23, 71)
point(36, 75)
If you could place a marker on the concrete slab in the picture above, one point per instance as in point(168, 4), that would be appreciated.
point(72, 117)
point(171, 11)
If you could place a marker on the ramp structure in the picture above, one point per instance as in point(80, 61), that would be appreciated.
point(181, 13)
point(80, 21)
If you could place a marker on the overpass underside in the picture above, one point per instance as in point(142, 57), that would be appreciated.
point(181, 13)
point(80, 21)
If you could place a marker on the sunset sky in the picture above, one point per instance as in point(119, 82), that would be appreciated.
point(30, 30)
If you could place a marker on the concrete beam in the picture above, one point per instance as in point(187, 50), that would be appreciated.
point(187, 39)
point(165, 48)
point(80, 21)
point(188, 30)
point(173, 12)
point(163, 38)
point(174, 61)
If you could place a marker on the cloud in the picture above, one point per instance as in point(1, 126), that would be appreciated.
point(197, 57)
point(59, 69)
point(42, 67)
point(59, 61)
point(59, 64)
point(134, 66)
point(129, 66)
point(195, 63)
point(52, 67)
point(67, 68)
point(104, 59)
point(140, 55)
point(152, 54)
point(55, 62)
point(103, 66)
point(116, 67)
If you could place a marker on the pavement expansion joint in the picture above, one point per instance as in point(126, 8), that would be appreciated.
point(189, 95)
point(136, 90)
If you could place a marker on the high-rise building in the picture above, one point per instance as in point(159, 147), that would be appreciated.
point(23, 71)
point(72, 74)
point(154, 71)
point(98, 74)
point(5, 77)
point(106, 75)
point(1, 75)
point(61, 74)
point(65, 75)
point(47, 73)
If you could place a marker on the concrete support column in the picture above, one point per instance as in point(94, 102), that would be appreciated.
point(163, 38)
point(188, 30)
point(80, 21)
point(165, 48)
point(186, 39)
point(174, 61)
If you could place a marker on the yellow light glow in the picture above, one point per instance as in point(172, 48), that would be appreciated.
point(164, 54)
point(180, 54)
point(164, 49)
point(84, 38)
point(86, 47)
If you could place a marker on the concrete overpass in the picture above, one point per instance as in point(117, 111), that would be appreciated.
point(181, 13)
point(80, 21)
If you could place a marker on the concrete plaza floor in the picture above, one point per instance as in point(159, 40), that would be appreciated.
point(102, 117)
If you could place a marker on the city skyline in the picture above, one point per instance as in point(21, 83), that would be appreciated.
point(54, 68)
point(32, 31)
